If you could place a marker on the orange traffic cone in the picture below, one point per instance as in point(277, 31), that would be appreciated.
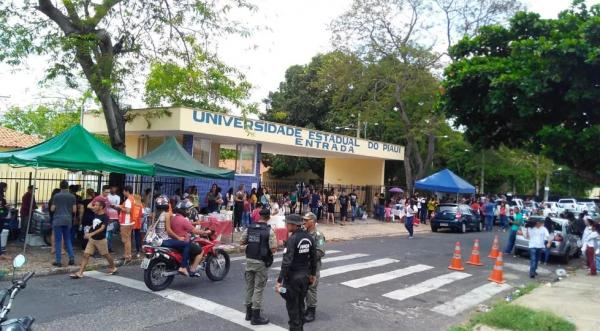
point(475, 260)
point(497, 276)
point(495, 249)
point(456, 263)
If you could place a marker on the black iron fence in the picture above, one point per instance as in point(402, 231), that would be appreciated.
point(18, 181)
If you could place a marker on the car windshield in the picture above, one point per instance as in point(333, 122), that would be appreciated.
point(447, 209)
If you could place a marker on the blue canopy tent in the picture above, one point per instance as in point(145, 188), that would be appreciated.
point(445, 181)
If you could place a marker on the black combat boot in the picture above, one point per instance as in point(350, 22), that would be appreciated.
point(257, 319)
point(309, 316)
point(248, 312)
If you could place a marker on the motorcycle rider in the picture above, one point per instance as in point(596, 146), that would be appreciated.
point(298, 270)
point(261, 245)
point(183, 228)
point(166, 235)
point(310, 220)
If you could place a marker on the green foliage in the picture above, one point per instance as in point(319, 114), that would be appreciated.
point(519, 318)
point(44, 121)
point(284, 166)
point(204, 83)
point(107, 44)
point(533, 84)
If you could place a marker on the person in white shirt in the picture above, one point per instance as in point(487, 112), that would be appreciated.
point(590, 235)
point(537, 235)
point(112, 211)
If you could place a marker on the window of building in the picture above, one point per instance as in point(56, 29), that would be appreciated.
point(246, 159)
point(153, 143)
point(201, 150)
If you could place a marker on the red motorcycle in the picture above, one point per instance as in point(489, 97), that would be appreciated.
point(161, 264)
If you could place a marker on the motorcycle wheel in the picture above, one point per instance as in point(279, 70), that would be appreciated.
point(217, 265)
point(153, 277)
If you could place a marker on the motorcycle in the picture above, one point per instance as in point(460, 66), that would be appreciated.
point(15, 324)
point(161, 264)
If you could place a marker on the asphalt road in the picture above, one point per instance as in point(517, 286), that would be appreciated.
point(388, 283)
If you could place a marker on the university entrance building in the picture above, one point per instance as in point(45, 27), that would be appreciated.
point(348, 160)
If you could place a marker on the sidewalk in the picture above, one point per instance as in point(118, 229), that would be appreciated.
point(40, 260)
point(575, 298)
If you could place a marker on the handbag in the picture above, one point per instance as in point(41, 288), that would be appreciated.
point(151, 236)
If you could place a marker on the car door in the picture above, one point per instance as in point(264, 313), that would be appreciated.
point(468, 216)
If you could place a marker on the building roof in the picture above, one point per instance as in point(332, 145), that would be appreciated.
point(10, 138)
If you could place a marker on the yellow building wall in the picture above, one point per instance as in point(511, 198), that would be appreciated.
point(354, 171)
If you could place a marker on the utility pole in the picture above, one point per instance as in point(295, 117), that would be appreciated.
point(537, 176)
point(358, 127)
point(547, 187)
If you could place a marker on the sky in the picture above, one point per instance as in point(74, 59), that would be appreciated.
point(297, 31)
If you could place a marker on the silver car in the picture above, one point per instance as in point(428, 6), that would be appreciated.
point(565, 244)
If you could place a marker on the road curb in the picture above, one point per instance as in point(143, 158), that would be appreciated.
point(51, 271)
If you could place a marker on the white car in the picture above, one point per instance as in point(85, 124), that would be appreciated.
point(551, 207)
point(570, 205)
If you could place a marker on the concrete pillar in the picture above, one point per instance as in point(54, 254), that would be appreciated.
point(188, 143)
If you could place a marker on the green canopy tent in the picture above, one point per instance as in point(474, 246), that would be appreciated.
point(172, 160)
point(74, 149)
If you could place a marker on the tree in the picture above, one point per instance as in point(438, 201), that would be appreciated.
point(533, 84)
point(44, 121)
point(110, 42)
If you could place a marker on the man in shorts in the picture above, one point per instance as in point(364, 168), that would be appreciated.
point(97, 240)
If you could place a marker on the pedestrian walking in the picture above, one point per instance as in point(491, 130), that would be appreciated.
point(63, 206)
point(537, 235)
point(331, 199)
point(411, 210)
point(489, 209)
point(298, 271)
point(96, 240)
point(590, 249)
point(261, 244)
point(516, 221)
point(3, 212)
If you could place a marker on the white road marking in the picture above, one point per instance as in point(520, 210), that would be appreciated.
point(194, 302)
point(525, 268)
point(333, 259)
point(470, 299)
point(356, 266)
point(382, 277)
point(426, 286)
point(279, 259)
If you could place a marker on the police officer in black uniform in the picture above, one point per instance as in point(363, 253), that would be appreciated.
point(298, 270)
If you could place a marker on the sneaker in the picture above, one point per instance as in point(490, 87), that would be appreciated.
point(57, 264)
point(410, 237)
point(71, 261)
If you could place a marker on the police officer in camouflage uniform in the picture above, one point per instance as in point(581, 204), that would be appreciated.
point(298, 270)
point(310, 221)
point(261, 245)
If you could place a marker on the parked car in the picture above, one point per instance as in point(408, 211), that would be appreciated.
point(551, 208)
point(457, 217)
point(570, 205)
point(565, 244)
point(590, 206)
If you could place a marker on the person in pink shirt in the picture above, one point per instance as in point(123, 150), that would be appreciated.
point(184, 228)
point(256, 212)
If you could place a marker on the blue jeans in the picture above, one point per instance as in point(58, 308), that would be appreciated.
point(315, 210)
point(184, 246)
point(503, 221)
point(489, 223)
point(246, 219)
point(512, 237)
point(354, 208)
point(381, 212)
point(409, 225)
point(534, 257)
point(60, 233)
point(546, 252)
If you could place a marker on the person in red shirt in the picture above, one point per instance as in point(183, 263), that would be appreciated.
point(183, 228)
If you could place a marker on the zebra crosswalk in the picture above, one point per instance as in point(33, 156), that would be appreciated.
point(388, 272)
